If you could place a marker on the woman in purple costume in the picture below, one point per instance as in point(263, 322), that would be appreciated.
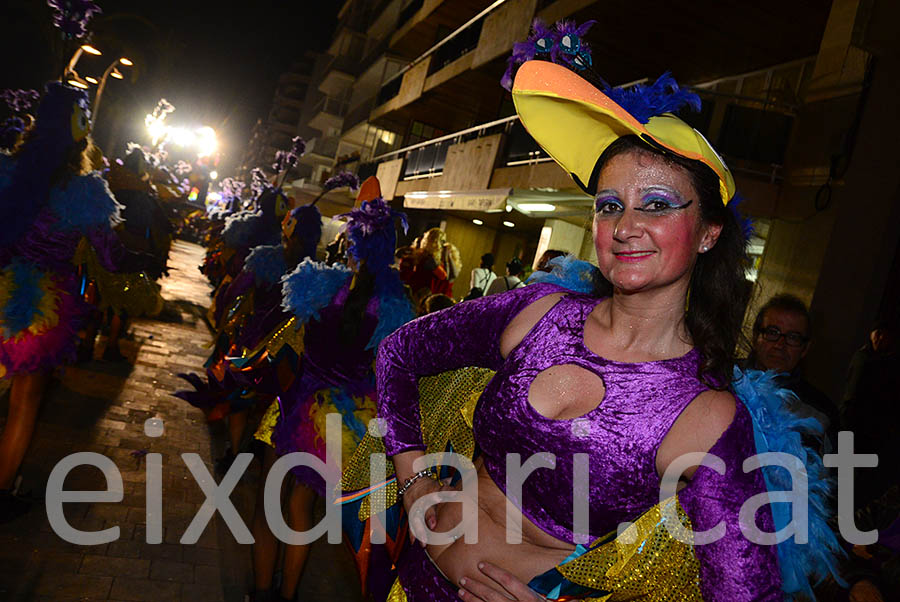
point(618, 382)
point(340, 315)
point(51, 205)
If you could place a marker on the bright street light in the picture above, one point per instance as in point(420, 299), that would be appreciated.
point(90, 49)
point(477, 222)
point(77, 83)
point(115, 73)
point(91, 80)
point(126, 62)
point(509, 224)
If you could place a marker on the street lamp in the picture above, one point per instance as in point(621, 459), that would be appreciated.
point(74, 60)
point(112, 70)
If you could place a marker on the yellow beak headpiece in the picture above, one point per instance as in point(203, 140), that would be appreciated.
point(575, 122)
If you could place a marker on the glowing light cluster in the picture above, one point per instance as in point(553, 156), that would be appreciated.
point(203, 139)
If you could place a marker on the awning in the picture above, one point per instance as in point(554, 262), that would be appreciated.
point(493, 199)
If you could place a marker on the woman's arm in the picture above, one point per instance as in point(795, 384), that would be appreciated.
point(467, 334)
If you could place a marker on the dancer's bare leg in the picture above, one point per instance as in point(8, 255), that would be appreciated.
point(300, 518)
point(237, 422)
point(265, 546)
point(24, 402)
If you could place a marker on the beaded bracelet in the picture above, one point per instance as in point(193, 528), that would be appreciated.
point(408, 482)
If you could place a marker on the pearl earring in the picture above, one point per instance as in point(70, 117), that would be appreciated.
point(704, 248)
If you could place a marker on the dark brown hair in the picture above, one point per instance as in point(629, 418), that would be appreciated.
point(718, 290)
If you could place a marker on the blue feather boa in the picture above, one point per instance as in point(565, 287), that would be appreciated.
point(310, 287)
point(394, 308)
point(568, 272)
point(21, 308)
point(85, 202)
point(246, 229)
point(777, 429)
point(266, 263)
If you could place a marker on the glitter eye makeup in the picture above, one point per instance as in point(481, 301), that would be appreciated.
point(659, 200)
point(607, 203)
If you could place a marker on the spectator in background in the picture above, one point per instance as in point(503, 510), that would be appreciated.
point(514, 269)
point(781, 338)
point(435, 303)
point(870, 409)
point(482, 277)
point(546, 257)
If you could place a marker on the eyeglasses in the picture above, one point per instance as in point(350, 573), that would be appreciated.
point(792, 339)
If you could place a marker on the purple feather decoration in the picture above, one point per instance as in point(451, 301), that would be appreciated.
point(663, 96)
point(345, 178)
point(570, 48)
point(20, 101)
point(280, 162)
point(745, 223)
point(298, 149)
point(10, 130)
point(539, 44)
point(370, 231)
point(72, 16)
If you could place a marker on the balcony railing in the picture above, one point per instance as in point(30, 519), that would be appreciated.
point(391, 87)
point(459, 46)
point(331, 106)
point(389, 90)
point(407, 12)
point(325, 147)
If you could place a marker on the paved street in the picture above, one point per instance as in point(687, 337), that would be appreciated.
point(102, 407)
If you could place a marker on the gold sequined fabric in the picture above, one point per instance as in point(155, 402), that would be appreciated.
point(287, 333)
point(267, 424)
point(645, 562)
point(396, 594)
point(133, 292)
point(447, 404)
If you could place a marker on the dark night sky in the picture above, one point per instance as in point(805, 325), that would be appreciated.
point(217, 63)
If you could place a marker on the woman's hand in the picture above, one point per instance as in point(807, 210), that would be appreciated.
point(419, 520)
point(474, 590)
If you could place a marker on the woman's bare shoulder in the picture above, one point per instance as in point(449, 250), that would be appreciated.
point(525, 320)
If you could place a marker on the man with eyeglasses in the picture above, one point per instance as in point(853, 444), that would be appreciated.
point(781, 339)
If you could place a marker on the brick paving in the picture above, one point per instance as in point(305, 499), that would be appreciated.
point(102, 407)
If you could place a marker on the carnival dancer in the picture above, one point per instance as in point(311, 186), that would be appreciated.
point(615, 382)
point(342, 314)
point(51, 205)
point(145, 231)
point(240, 372)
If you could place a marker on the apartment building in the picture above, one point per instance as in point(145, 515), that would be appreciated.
point(796, 96)
point(276, 131)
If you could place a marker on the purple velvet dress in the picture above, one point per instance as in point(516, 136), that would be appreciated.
point(333, 376)
point(620, 437)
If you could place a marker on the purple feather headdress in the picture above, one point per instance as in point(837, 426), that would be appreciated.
point(662, 96)
point(538, 45)
point(341, 180)
point(72, 16)
point(370, 232)
point(570, 48)
point(20, 101)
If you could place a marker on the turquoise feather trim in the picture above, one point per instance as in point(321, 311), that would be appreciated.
point(85, 202)
point(310, 287)
point(22, 306)
point(394, 310)
point(776, 429)
point(266, 263)
point(568, 272)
